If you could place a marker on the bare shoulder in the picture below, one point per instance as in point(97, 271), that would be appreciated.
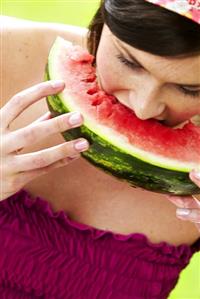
point(15, 25)
point(25, 48)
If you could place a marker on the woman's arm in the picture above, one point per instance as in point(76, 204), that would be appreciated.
point(24, 50)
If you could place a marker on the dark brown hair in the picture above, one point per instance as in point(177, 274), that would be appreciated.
point(145, 26)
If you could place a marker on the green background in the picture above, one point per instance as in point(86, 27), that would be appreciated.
point(79, 13)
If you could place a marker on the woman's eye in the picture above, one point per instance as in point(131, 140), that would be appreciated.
point(134, 66)
point(187, 92)
point(128, 63)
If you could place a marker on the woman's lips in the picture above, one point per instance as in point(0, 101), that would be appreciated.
point(160, 119)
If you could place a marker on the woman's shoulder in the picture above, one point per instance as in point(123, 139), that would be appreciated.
point(70, 32)
point(27, 32)
point(25, 48)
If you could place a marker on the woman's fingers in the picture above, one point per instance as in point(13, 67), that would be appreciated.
point(195, 177)
point(19, 180)
point(190, 202)
point(26, 177)
point(18, 169)
point(39, 130)
point(45, 116)
point(189, 214)
point(20, 101)
point(185, 201)
point(46, 157)
point(188, 207)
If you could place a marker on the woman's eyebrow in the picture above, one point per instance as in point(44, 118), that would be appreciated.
point(139, 64)
point(132, 57)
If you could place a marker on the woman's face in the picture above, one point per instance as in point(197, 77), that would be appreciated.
point(154, 88)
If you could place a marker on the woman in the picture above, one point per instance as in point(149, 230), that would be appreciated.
point(110, 240)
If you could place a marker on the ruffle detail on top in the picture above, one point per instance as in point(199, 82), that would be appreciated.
point(46, 254)
point(183, 251)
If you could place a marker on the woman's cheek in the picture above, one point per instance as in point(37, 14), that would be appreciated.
point(109, 73)
point(107, 78)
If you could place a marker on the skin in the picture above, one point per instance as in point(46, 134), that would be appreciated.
point(28, 158)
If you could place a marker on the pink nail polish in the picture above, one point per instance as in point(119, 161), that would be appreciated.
point(57, 83)
point(182, 212)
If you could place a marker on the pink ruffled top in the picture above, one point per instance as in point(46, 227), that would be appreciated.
point(46, 255)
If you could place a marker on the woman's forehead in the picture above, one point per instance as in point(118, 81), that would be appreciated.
point(183, 71)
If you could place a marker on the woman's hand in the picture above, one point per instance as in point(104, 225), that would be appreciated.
point(18, 169)
point(188, 206)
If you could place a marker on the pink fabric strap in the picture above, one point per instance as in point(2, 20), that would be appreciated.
point(187, 8)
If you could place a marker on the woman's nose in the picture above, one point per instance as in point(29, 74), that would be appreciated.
point(146, 103)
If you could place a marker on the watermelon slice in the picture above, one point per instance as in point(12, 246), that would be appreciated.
point(144, 153)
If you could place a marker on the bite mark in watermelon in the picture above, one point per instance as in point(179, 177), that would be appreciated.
point(144, 153)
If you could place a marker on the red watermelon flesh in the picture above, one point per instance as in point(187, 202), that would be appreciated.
point(149, 135)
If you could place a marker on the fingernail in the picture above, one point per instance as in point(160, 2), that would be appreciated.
point(57, 83)
point(81, 145)
point(182, 212)
point(75, 118)
point(197, 174)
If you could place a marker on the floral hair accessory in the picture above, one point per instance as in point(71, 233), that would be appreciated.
point(187, 8)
